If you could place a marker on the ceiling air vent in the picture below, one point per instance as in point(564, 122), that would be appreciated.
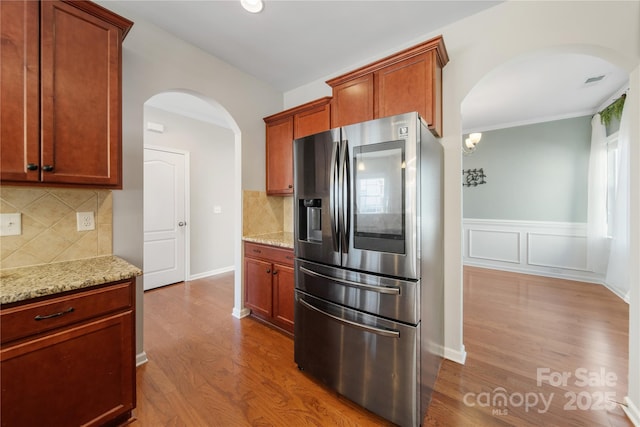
point(592, 80)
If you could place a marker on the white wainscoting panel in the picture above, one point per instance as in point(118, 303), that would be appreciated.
point(558, 251)
point(495, 245)
point(552, 249)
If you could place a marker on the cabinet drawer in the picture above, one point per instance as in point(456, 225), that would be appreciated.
point(270, 253)
point(30, 319)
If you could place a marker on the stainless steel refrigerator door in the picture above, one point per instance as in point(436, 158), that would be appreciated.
point(316, 232)
point(379, 192)
point(378, 295)
point(370, 360)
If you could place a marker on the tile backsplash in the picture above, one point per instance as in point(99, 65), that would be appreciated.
point(49, 231)
point(264, 214)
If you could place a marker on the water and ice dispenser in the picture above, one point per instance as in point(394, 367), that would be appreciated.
point(310, 221)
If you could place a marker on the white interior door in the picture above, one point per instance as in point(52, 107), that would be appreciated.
point(165, 225)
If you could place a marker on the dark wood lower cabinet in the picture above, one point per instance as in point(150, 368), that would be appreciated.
point(82, 373)
point(269, 284)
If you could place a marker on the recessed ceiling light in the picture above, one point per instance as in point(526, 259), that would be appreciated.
point(253, 6)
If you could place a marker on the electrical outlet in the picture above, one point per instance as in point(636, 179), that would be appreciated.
point(10, 224)
point(85, 221)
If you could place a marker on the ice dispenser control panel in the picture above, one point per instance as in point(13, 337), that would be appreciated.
point(310, 221)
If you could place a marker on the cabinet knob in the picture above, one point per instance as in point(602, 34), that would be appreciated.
point(32, 167)
point(275, 272)
point(268, 270)
point(47, 168)
point(290, 185)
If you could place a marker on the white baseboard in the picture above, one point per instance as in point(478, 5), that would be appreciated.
point(212, 273)
point(240, 313)
point(632, 411)
point(141, 359)
point(458, 356)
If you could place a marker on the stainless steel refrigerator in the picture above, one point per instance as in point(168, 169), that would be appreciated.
point(368, 209)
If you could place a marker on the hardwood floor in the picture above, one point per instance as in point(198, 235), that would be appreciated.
point(207, 368)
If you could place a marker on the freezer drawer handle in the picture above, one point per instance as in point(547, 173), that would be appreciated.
point(377, 331)
point(379, 289)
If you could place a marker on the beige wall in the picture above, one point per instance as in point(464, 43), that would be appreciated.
point(49, 231)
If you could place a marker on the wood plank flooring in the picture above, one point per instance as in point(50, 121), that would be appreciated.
point(207, 368)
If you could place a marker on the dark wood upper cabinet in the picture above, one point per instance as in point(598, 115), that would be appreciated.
point(279, 152)
point(78, 95)
point(353, 101)
point(19, 91)
point(410, 80)
point(312, 118)
point(281, 129)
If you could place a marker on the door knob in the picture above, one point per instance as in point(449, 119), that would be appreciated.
point(182, 224)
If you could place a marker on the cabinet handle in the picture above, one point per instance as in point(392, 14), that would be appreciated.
point(268, 270)
point(49, 316)
point(47, 168)
point(258, 251)
point(32, 167)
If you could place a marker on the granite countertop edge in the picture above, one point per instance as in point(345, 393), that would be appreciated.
point(24, 283)
point(279, 239)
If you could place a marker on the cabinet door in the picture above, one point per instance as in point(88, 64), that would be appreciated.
point(353, 101)
point(283, 300)
point(79, 376)
point(81, 111)
point(258, 292)
point(19, 91)
point(312, 121)
point(408, 86)
point(280, 156)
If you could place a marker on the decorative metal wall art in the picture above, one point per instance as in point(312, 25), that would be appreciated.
point(473, 177)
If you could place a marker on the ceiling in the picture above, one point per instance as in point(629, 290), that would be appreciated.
point(291, 43)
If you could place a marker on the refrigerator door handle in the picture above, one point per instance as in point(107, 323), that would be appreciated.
point(378, 289)
point(345, 199)
point(333, 196)
point(374, 330)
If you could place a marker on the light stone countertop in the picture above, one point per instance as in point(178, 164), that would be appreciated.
point(23, 283)
point(282, 239)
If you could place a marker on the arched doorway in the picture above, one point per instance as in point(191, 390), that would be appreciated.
point(521, 241)
point(186, 121)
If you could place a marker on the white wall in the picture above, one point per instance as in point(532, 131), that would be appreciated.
point(211, 175)
point(479, 44)
point(153, 62)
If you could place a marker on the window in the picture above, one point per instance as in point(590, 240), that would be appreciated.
point(613, 161)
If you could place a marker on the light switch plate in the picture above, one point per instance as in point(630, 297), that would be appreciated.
point(10, 224)
point(86, 221)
